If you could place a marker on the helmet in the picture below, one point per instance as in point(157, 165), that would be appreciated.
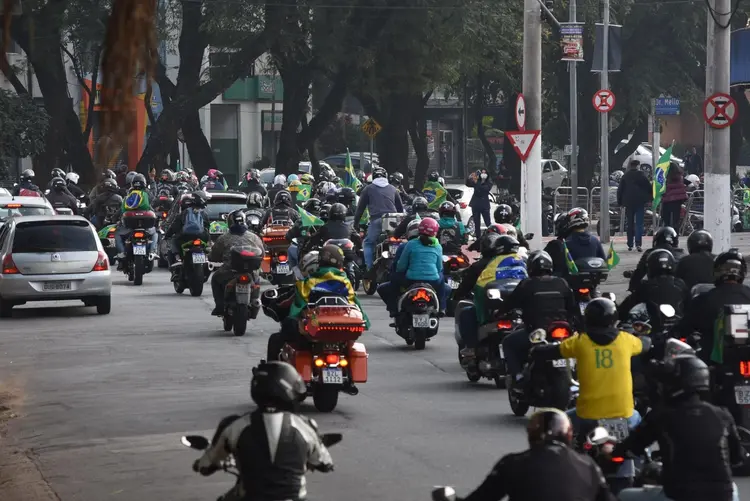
point(57, 172)
point(505, 244)
point(487, 244)
point(280, 179)
point(110, 185)
point(182, 176)
point(447, 209)
point(294, 185)
point(277, 384)
point(433, 176)
point(549, 425)
point(730, 265)
point(237, 218)
point(419, 204)
point(441, 180)
point(252, 174)
point(337, 212)
point(199, 198)
point(561, 225)
point(129, 177)
point(539, 263)
point(212, 174)
point(27, 175)
point(510, 230)
point(496, 228)
point(693, 180)
point(665, 235)
point(331, 255)
point(306, 179)
point(312, 206)
point(168, 176)
point(309, 263)
point(379, 172)
point(283, 197)
point(660, 262)
point(503, 214)
point(412, 229)
point(396, 179)
point(138, 182)
point(346, 196)
point(325, 210)
point(292, 177)
point(684, 375)
point(336, 180)
point(577, 218)
point(58, 183)
point(187, 201)
point(108, 174)
point(700, 241)
point(428, 227)
point(616, 176)
point(601, 313)
point(255, 199)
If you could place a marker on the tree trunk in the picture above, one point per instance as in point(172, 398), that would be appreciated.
point(510, 158)
point(418, 135)
point(296, 81)
point(198, 147)
point(491, 160)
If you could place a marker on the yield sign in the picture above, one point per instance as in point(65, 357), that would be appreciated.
point(522, 141)
point(719, 110)
point(604, 100)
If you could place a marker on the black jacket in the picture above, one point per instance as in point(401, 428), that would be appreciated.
point(634, 189)
point(280, 213)
point(556, 251)
point(470, 276)
point(254, 187)
point(642, 268)
point(699, 444)
point(696, 269)
point(333, 230)
point(481, 198)
point(582, 244)
point(544, 472)
point(544, 300)
point(101, 202)
point(76, 191)
point(664, 289)
point(63, 199)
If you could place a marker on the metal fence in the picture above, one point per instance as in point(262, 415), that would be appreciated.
point(694, 207)
point(562, 199)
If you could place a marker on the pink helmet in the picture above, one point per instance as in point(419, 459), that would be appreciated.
point(212, 174)
point(428, 227)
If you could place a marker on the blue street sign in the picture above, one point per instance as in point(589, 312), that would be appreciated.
point(667, 106)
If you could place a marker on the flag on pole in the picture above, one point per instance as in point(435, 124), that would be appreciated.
point(350, 178)
point(612, 257)
point(660, 176)
point(308, 219)
point(572, 268)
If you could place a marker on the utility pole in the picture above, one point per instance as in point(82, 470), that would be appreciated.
point(717, 206)
point(531, 177)
point(572, 69)
point(604, 217)
point(274, 152)
point(464, 128)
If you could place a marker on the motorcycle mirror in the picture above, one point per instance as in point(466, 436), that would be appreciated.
point(444, 494)
point(330, 439)
point(667, 310)
point(528, 236)
point(195, 442)
point(223, 217)
point(538, 336)
point(609, 295)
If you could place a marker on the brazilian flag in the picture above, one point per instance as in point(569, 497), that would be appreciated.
point(304, 192)
point(308, 219)
point(435, 193)
point(572, 268)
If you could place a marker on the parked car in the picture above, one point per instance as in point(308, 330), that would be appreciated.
point(553, 173)
point(338, 163)
point(4, 193)
point(463, 194)
point(644, 154)
point(24, 206)
point(53, 258)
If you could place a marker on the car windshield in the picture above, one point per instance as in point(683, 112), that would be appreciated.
point(53, 236)
point(215, 208)
point(6, 212)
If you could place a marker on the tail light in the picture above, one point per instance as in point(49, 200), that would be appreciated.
point(139, 234)
point(343, 362)
point(197, 241)
point(332, 358)
point(462, 205)
point(102, 263)
point(560, 333)
point(111, 231)
point(618, 459)
point(282, 258)
point(421, 295)
point(243, 279)
point(460, 260)
point(504, 324)
point(13, 206)
point(319, 362)
point(584, 292)
point(164, 215)
point(393, 239)
point(9, 267)
point(744, 365)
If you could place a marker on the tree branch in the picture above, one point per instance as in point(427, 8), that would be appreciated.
point(11, 75)
point(77, 69)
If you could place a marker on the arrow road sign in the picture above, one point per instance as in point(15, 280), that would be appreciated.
point(522, 141)
point(521, 112)
point(719, 110)
point(604, 100)
point(371, 127)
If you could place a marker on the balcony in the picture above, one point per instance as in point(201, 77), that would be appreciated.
point(260, 88)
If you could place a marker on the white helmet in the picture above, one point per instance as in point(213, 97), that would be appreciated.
point(616, 176)
point(72, 177)
point(309, 263)
point(325, 187)
point(280, 179)
point(441, 180)
point(693, 179)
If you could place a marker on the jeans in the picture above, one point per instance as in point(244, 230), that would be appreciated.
point(477, 215)
point(670, 214)
point(371, 240)
point(656, 493)
point(389, 292)
point(468, 327)
point(516, 346)
point(634, 217)
point(293, 255)
point(578, 422)
point(121, 232)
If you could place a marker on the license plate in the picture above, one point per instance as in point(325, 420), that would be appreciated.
point(560, 363)
point(199, 258)
point(139, 250)
point(583, 306)
point(242, 288)
point(742, 395)
point(420, 321)
point(57, 286)
point(282, 269)
point(617, 427)
point(332, 376)
point(394, 248)
point(453, 284)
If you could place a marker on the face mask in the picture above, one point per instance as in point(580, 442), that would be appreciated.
point(483, 176)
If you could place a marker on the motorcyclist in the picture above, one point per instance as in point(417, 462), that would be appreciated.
point(168, 183)
point(556, 248)
point(698, 441)
point(279, 183)
point(273, 445)
point(214, 181)
point(452, 234)
point(697, 267)
point(664, 238)
point(419, 210)
point(26, 188)
point(71, 181)
point(325, 210)
point(282, 210)
point(347, 196)
point(330, 274)
point(137, 199)
point(504, 215)
point(434, 191)
point(107, 174)
point(334, 228)
point(603, 355)
point(109, 196)
point(702, 311)
point(496, 228)
point(59, 196)
point(255, 201)
point(397, 179)
point(379, 198)
point(542, 298)
point(580, 242)
point(390, 290)
point(660, 288)
point(251, 183)
point(549, 469)
point(192, 222)
point(298, 231)
point(237, 236)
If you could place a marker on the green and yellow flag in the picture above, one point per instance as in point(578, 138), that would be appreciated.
point(350, 178)
point(308, 219)
point(572, 268)
point(303, 193)
point(612, 258)
point(435, 194)
point(660, 176)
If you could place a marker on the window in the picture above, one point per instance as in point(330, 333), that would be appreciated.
point(53, 236)
point(3, 235)
point(217, 61)
point(6, 212)
point(215, 209)
point(555, 166)
point(546, 167)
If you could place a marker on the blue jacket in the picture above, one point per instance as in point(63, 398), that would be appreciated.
point(481, 197)
point(421, 262)
point(582, 244)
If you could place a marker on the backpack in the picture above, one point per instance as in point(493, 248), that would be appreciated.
point(193, 224)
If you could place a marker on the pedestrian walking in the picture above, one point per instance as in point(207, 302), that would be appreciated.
point(634, 193)
point(674, 196)
point(480, 200)
point(693, 162)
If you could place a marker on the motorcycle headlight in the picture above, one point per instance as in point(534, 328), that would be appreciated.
point(493, 294)
point(254, 221)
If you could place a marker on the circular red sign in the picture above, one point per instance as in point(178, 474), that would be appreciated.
point(604, 101)
point(719, 110)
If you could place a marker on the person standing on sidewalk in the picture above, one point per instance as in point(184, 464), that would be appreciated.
point(634, 193)
point(674, 196)
point(480, 200)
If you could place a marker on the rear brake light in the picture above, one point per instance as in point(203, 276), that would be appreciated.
point(504, 324)
point(102, 263)
point(560, 333)
point(332, 359)
point(583, 291)
point(13, 206)
point(244, 279)
point(9, 267)
point(421, 295)
point(139, 234)
point(111, 231)
point(164, 215)
point(393, 239)
point(460, 259)
point(744, 365)
point(197, 241)
point(282, 258)
point(618, 459)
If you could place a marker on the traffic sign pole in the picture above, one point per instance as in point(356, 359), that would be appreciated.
point(604, 178)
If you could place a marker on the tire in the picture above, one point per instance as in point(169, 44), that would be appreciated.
point(196, 281)
point(227, 323)
point(473, 377)
point(6, 309)
point(325, 397)
point(179, 287)
point(139, 266)
point(744, 469)
point(559, 393)
point(239, 320)
point(104, 305)
point(499, 381)
point(369, 286)
point(519, 408)
point(419, 340)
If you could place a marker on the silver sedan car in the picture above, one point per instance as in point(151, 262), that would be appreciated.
point(52, 258)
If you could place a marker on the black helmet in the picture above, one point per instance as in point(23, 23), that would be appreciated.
point(325, 210)
point(346, 196)
point(58, 184)
point(337, 212)
point(660, 262)
point(447, 209)
point(313, 206)
point(396, 179)
point(277, 385)
point(664, 236)
point(27, 175)
point(419, 204)
point(108, 174)
point(187, 201)
point(283, 197)
point(168, 176)
point(434, 176)
point(138, 182)
point(577, 218)
point(700, 241)
point(237, 218)
point(379, 172)
point(487, 244)
point(549, 425)
point(331, 255)
point(57, 172)
point(601, 313)
point(110, 185)
point(504, 214)
point(561, 226)
point(540, 263)
point(684, 375)
point(730, 265)
point(505, 244)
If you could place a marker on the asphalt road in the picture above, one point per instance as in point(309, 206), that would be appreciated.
point(108, 397)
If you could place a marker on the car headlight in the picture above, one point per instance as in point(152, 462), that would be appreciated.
point(493, 294)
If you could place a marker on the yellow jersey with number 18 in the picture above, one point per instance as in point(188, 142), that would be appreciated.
point(604, 374)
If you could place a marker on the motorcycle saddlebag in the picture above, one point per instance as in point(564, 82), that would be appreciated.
point(333, 324)
point(245, 259)
point(139, 219)
point(301, 360)
point(358, 361)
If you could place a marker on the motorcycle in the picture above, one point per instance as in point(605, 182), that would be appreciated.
point(351, 266)
point(418, 319)
point(453, 268)
point(192, 272)
point(239, 307)
point(253, 217)
point(107, 237)
point(275, 266)
point(591, 272)
point(138, 261)
point(385, 251)
point(732, 377)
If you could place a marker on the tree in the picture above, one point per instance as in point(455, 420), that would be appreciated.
point(23, 131)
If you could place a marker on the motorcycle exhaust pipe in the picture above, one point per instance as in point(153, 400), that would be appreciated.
point(350, 390)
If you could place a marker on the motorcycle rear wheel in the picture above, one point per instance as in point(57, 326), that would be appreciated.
point(179, 287)
point(325, 398)
point(518, 407)
point(227, 323)
point(139, 266)
point(196, 281)
point(420, 340)
point(240, 320)
point(369, 286)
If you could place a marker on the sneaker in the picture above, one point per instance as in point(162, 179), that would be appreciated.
point(629, 248)
point(468, 353)
point(640, 249)
point(217, 312)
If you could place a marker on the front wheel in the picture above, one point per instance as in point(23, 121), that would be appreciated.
point(139, 267)
point(240, 319)
point(325, 397)
point(518, 407)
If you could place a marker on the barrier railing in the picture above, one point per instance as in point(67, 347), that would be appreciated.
point(562, 199)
